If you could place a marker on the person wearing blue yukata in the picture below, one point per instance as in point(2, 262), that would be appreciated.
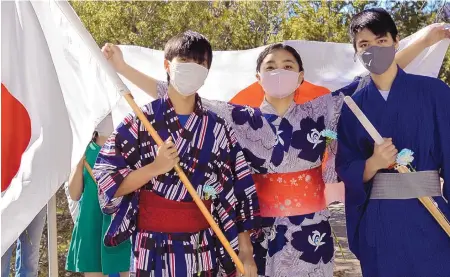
point(389, 230)
point(27, 251)
point(138, 185)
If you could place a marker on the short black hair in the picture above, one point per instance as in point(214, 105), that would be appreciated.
point(377, 20)
point(190, 45)
point(274, 47)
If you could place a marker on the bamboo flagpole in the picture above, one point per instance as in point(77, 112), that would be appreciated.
point(428, 202)
point(72, 17)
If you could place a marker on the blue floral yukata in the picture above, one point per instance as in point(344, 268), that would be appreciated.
point(291, 245)
point(214, 163)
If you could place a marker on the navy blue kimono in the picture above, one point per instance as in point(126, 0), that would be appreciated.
point(397, 238)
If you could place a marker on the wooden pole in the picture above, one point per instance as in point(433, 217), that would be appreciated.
point(52, 238)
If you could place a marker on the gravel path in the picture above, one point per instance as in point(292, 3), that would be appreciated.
point(348, 267)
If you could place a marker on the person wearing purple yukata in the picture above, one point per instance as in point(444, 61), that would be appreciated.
point(389, 230)
point(138, 185)
point(282, 141)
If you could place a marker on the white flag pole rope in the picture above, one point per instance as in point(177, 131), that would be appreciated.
point(70, 14)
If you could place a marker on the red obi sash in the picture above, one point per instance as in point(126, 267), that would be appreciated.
point(290, 194)
point(158, 214)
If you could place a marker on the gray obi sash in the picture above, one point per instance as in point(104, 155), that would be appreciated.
point(406, 185)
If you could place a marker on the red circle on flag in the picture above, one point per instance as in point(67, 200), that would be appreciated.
point(16, 135)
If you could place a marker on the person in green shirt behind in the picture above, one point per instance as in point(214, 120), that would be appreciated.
point(87, 253)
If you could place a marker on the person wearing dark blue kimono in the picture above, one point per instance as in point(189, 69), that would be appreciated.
point(389, 230)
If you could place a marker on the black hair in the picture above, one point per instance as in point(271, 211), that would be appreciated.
point(190, 45)
point(274, 47)
point(94, 137)
point(377, 20)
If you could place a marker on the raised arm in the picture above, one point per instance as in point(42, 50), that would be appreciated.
point(76, 181)
point(434, 33)
point(115, 58)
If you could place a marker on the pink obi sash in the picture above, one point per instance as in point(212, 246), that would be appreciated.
point(290, 194)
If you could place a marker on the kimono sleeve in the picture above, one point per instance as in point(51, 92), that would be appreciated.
point(248, 123)
point(334, 112)
point(245, 190)
point(334, 105)
point(362, 82)
point(351, 88)
point(350, 165)
point(222, 109)
point(442, 94)
point(243, 187)
point(115, 161)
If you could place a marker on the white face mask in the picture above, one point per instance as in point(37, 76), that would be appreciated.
point(187, 78)
point(105, 127)
point(279, 83)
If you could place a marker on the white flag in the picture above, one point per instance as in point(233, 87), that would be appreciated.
point(327, 65)
point(53, 94)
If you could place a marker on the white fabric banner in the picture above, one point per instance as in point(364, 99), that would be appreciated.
point(331, 65)
point(60, 89)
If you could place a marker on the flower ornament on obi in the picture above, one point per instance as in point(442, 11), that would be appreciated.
point(210, 192)
point(329, 134)
point(405, 158)
point(309, 139)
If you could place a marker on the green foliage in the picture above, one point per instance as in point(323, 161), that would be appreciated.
point(322, 20)
point(227, 24)
point(237, 25)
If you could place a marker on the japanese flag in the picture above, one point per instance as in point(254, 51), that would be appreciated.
point(53, 94)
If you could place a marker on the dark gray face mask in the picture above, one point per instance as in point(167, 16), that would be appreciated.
point(377, 59)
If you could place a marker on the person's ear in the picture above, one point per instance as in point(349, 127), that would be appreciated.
point(301, 77)
point(397, 43)
point(167, 66)
point(258, 77)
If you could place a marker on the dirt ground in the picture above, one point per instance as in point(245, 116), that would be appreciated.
point(346, 264)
